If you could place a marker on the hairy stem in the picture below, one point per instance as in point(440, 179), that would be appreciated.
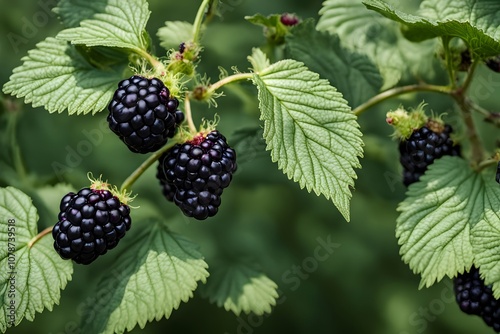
point(228, 80)
point(199, 19)
point(393, 92)
point(39, 236)
point(127, 184)
point(189, 115)
point(155, 63)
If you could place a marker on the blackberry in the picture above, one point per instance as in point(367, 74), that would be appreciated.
point(91, 222)
point(167, 189)
point(476, 298)
point(194, 174)
point(425, 145)
point(494, 64)
point(143, 114)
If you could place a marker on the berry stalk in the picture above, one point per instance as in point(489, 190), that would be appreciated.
point(39, 236)
point(189, 115)
point(396, 91)
point(155, 63)
point(129, 181)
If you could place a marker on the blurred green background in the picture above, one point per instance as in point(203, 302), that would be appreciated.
point(362, 287)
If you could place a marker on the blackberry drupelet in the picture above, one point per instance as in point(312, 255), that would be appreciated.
point(143, 114)
point(425, 145)
point(91, 222)
point(469, 291)
point(194, 174)
point(167, 189)
point(476, 298)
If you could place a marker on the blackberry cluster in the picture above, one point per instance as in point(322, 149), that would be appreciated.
point(91, 222)
point(194, 174)
point(422, 148)
point(473, 297)
point(143, 114)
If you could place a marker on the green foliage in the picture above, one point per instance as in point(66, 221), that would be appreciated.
point(378, 38)
point(120, 24)
point(479, 31)
point(158, 270)
point(174, 33)
point(310, 131)
point(308, 77)
point(436, 217)
point(72, 12)
point(32, 273)
point(353, 74)
point(450, 221)
point(241, 288)
point(57, 76)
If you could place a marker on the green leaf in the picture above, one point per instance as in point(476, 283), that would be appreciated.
point(174, 33)
point(310, 130)
point(474, 22)
point(436, 217)
point(32, 272)
point(57, 76)
point(157, 271)
point(240, 288)
point(380, 39)
point(72, 12)
point(353, 74)
point(485, 236)
point(122, 24)
point(259, 60)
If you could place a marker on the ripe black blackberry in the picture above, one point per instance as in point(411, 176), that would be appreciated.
point(143, 114)
point(476, 298)
point(167, 189)
point(194, 174)
point(91, 222)
point(430, 142)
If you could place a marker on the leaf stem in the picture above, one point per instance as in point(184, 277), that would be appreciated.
point(487, 163)
point(199, 19)
point(227, 80)
point(189, 115)
point(449, 62)
point(470, 76)
point(129, 181)
point(39, 236)
point(211, 11)
point(393, 92)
